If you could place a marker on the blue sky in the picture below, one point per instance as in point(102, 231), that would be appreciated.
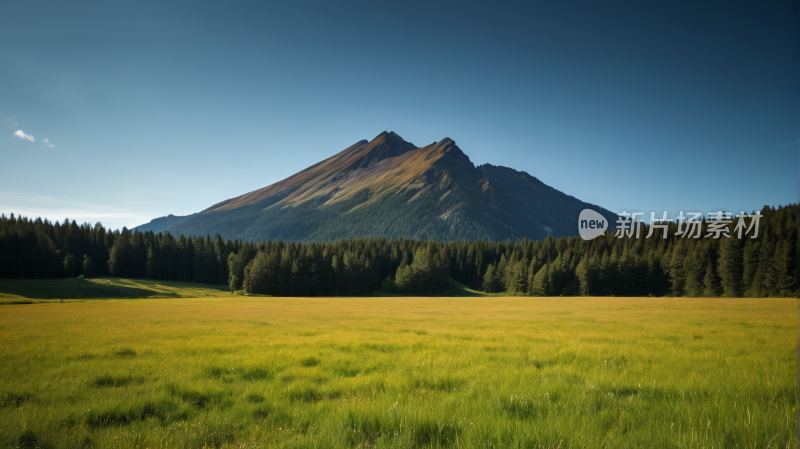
point(151, 108)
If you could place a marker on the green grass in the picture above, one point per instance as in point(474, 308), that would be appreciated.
point(399, 372)
point(32, 291)
point(456, 289)
point(27, 290)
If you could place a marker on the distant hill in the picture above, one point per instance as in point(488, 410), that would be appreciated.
point(160, 224)
point(391, 188)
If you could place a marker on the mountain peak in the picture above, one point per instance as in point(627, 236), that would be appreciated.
point(389, 135)
point(389, 187)
point(385, 144)
point(391, 139)
point(449, 148)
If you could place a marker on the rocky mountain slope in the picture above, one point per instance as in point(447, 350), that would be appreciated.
point(388, 187)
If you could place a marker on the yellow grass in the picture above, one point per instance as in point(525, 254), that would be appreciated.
point(399, 372)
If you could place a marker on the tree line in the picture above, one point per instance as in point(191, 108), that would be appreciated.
point(567, 266)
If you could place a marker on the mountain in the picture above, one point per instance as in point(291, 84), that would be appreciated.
point(390, 188)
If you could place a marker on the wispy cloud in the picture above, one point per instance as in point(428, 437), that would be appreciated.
point(788, 143)
point(47, 142)
point(19, 133)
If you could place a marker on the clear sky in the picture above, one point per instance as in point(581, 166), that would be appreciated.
point(151, 108)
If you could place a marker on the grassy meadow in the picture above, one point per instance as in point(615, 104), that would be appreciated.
point(30, 290)
point(516, 372)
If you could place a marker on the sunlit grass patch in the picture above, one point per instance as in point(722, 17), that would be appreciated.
point(351, 369)
point(444, 383)
point(310, 391)
point(20, 291)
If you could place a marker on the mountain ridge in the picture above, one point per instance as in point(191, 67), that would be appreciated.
point(388, 187)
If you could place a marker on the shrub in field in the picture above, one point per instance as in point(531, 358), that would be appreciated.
point(14, 398)
point(111, 380)
point(310, 361)
point(161, 409)
point(125, 352)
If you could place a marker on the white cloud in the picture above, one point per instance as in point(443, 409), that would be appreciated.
point(22, 135)
point(47, 142)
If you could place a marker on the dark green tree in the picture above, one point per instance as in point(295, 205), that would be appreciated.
point(88, 266)
point(730, 268)
point(70, 267)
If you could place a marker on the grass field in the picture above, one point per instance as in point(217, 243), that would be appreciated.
point(25, 290)
point(399, 372)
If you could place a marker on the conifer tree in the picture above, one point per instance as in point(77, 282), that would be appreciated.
point(491, 280)
point(69, 265)
point(730, 268)
point(88, 266)
point(711, 281)
point(541, 283)
point(782, 263)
